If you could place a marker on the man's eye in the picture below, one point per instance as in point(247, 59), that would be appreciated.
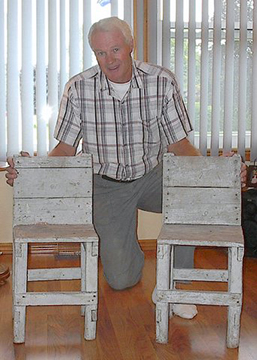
point(116, 50)
point(100, 53)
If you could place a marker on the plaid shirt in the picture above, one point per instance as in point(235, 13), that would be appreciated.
point(127, 137)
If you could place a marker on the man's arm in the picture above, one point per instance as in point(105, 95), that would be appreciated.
point(183, 148)
point(61, 149)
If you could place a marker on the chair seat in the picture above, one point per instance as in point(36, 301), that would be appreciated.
point(53, 232)
point(202, 235)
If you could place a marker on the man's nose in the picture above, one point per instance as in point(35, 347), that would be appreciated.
point(110, 58)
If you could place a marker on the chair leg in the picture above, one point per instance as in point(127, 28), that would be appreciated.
point(13, 278)
point(90, 322)
point(163, 283)
point(83, 273)
point(162, 322)
point(19, 324)
point(19, 287)
point(235, 264)
point(91, 286)
point(233, 332)
point(172, 283)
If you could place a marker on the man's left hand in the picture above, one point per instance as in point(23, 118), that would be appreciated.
point(243, 169)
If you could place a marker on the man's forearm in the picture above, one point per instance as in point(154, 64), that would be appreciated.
point(184, 148)
point(63, 149)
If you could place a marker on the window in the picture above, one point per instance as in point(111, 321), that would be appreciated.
point(42, 44)
point(210, 45)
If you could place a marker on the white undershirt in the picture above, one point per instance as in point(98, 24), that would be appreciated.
point(120, 88)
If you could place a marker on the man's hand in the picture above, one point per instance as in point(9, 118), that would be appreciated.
point(61, 149)
point(243, 174)
point(243, 169)
point(11, 174)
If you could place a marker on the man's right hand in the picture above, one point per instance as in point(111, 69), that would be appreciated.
point(11, 174)
point(61, 149)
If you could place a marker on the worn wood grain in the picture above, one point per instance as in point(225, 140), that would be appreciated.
point(84, 160)
point(52, 211)
point(56, 183)
point(189, 172)
point(50, 232)
point(205, 235)
point(53, 204)
point(201, 207)
point(126, 319)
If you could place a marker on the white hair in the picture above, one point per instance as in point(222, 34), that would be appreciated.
point(111, 23)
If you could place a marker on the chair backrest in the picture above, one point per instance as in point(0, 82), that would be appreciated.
point(201, 190)
point(53, 190)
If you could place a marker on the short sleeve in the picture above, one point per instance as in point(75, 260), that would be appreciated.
point(175, 120)
point(68, 126)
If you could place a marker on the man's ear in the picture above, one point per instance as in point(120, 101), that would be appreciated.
point(132, 45)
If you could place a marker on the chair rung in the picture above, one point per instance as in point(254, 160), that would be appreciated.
point(199, 297)
point(54, 274)
point(200, 275)
point(55, 298)
point(56, 240)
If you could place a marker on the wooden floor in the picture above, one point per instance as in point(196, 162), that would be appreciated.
point(126, 321)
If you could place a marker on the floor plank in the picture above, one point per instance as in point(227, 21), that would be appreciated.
point(126, 320)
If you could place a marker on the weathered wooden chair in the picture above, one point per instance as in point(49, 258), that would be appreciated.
point(201, 207)
point(53, 204)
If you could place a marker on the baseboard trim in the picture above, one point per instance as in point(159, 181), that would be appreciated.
point(6, 248)
point(69, 248)
point(148, 244)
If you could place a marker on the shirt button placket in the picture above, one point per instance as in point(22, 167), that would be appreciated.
point(125, 137)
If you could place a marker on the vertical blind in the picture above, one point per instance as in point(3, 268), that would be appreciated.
point(42, 44)
point(211, 45)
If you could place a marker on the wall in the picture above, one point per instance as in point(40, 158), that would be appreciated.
point(149, 225)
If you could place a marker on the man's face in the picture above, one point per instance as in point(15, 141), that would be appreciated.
point(113, 54)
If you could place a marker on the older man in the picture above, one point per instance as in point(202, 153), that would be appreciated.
point(128, 114)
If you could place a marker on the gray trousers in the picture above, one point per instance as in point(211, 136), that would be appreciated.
point(115, 221)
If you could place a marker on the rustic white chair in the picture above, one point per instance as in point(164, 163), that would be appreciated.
point(53, 204)
point(201, 207)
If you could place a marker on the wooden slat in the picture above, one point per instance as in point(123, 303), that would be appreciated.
point(62, 233)
point(52, 211)
point(200, 275)
point(84, 160)
point(53, 182)
point(199, 297)
point(54, 274)
point(50, 240)
point(200, 172)
point(202, 235)
point(55, 298)
point(202, 206)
